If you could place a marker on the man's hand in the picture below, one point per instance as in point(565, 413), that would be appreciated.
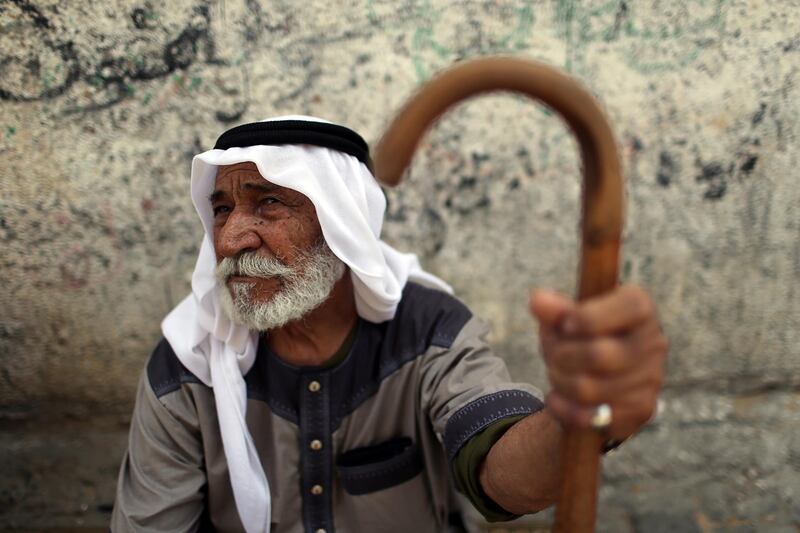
point(608, 349)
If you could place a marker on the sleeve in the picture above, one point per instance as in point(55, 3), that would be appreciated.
point(471, 401)
point(162, 480)
point(467, 464)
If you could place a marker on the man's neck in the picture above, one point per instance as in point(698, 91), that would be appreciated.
point(315, 338)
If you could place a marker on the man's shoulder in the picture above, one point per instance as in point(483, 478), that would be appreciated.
point(165, 372)
point(430, 314)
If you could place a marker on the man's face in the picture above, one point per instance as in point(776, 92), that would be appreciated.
point(273, 264)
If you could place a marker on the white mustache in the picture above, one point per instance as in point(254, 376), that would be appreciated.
point(304, 287)
point(251, 264)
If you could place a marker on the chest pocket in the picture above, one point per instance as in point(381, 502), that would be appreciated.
point(378, 467)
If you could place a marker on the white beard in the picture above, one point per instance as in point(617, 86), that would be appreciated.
point(302, 288)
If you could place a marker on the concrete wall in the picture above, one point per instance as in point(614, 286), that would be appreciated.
point(104, 104)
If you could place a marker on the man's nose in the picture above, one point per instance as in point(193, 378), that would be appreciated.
point(237, 235)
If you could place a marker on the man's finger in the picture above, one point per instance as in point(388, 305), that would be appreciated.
point(604, 355)
point(549, 307)
point(589, 390)
point(612, 312)
point(626, 418)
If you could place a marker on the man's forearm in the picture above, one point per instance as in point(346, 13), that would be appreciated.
point(522, 470)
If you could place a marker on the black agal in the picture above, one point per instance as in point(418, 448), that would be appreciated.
point(279, 132)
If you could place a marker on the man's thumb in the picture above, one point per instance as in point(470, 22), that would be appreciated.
point(549, 307)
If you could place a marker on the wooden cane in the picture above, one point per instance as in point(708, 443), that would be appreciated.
point(602, 216)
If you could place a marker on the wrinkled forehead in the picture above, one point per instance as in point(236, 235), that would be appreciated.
point(245, 177)
point(247, 168)
point(244, 172)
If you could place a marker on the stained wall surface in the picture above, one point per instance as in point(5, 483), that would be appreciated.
point(104, 104)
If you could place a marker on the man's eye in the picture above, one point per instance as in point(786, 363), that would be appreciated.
point(269, 200)
point(221, 210)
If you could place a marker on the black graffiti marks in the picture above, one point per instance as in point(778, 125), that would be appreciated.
point(434, 228)
point(182, 51)
point(233, 115)
point(114, 76)
point(33, 13)
point(739, 163)
point(717, 175)
point(49, 65)
point(714, 175)
point(790, 45)
point(749, 164)
point(28, 76)
point(667, 169)
point(471, 190)
point(620, 16)
point(758, 116)
point(7, 232)
point(139, 17)
point(422, 227)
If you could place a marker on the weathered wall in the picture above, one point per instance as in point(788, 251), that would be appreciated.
point(104, 103)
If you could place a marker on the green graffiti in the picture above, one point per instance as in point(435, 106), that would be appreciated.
point(48, 79)
point(517, 39)
point(195, 83)
point(372, 16)
point(665, 32)
point(581, 27)
point(646, 40)
point(425, 41)
point(240, 59)
point(627, 268)
point(565, 15)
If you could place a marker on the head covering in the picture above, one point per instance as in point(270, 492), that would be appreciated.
point(328, 164)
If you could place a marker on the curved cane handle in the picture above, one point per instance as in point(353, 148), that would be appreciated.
point(602, 212)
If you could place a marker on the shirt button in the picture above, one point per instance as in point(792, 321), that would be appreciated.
point(316, 445)
point(314, 386)
point(316, 490)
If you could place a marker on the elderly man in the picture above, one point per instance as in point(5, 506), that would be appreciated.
point(317, 380)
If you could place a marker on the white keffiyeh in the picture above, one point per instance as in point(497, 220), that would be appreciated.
point(350, 207)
